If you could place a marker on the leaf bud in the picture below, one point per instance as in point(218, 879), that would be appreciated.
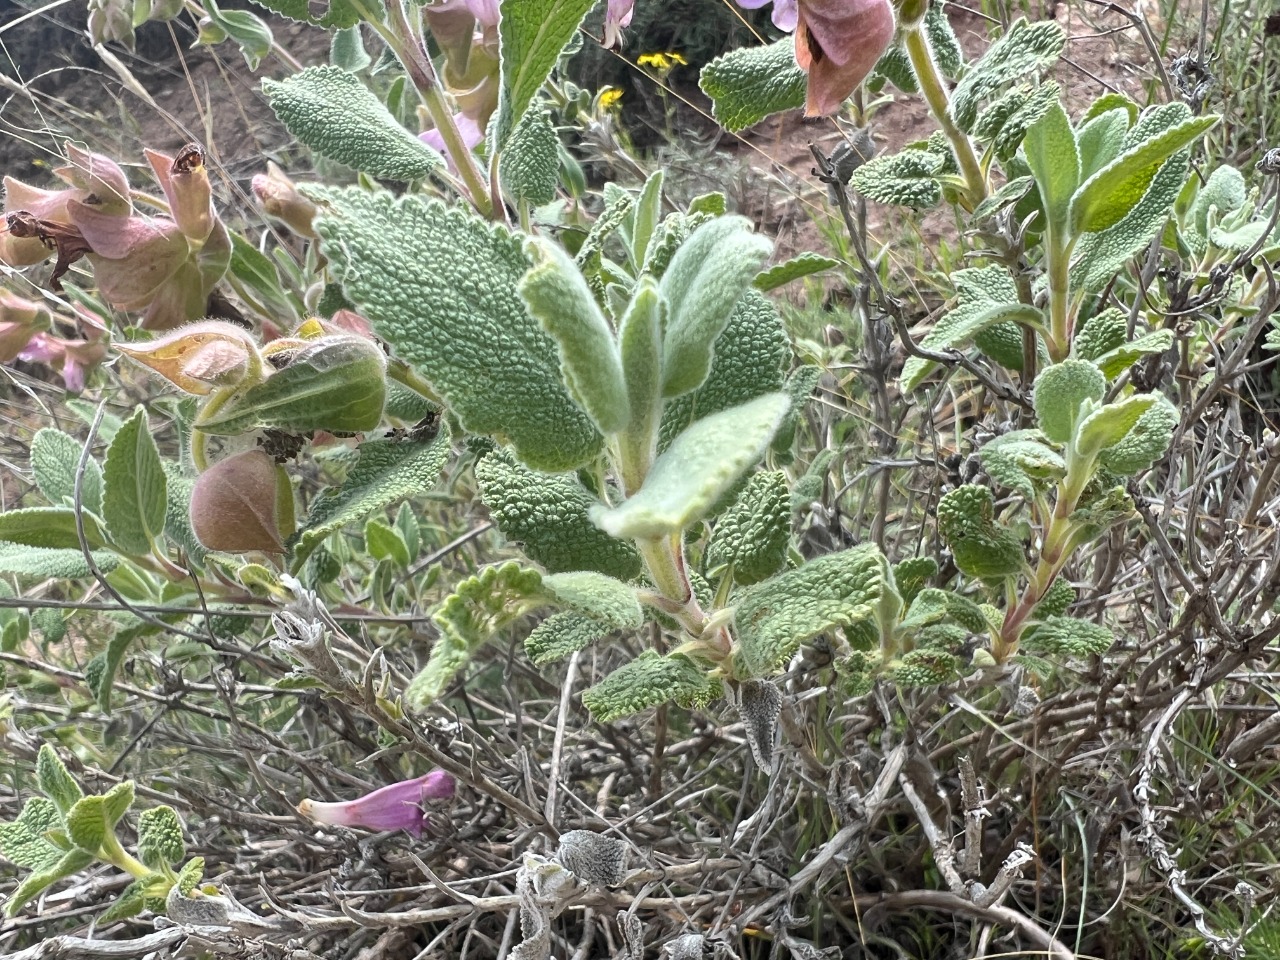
point(280, 199)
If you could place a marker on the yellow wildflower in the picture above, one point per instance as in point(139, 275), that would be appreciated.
point(609, 98)
point(661, 61)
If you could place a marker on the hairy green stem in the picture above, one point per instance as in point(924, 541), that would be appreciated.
point(934, 89)
point(117, 856)
point(1054, 554)
point(1059, 263)
point(403, 40)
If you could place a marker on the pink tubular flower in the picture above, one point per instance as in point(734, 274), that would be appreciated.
point(837, 44)
point(397, 807)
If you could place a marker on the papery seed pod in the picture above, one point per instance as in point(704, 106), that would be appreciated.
point(100, 177)
point(237, 505)
point(199, 357)
point(592, 857)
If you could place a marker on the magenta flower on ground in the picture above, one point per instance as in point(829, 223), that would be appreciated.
point(397, 807)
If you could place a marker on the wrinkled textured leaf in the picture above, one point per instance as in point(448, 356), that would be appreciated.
point(335, 114)
point(775, 617)
point(907, 178)
point(387, 471)
point(647, 681)
point(696, 470)
point(750, 83)
point(548, 516)
point(458, 320)
point(54, 459)
point(478, 609)
point(1024, 49)
point(531, 36)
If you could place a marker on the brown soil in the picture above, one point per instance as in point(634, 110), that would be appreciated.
point(1105, 53)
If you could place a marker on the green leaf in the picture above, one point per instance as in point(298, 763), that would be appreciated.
point(1224, 191)
point(55, 782)
point(251, 35)
point(46, 563)
point(55, 456)
point(1100, 256)
point(696, 470)
point(160, 841)
point(640, 349)
point(529, 167)
point(775, 617)
point(1067, 637)
point(100, 673)
point(1100, 139)
point(750, 83)
point(49, 527)
point(1024, 49)
point(1106, 197)
point(645, 217)
point(1051, 150)
point(460, 322)
point(190, 875)
point(385, 543)
point(256, 271)
point(117, 801)
point(911, 575)
point(747, 363)
point(986, 298)
point(387, 471)
point(335, 114)
point(1145, 443)
point(36, 883)
point(648, 681)
point(479, 608)
point(981, 547)
point(1005, 123)
point(592, 594)
point(347, 52)
point(907, 178)
point(1111, 423)
point(548, 516)
point(1060, 390)
point(1111, 101)
point(802, 265)
point(336, 384)
point(1104, 331)
point(1020, 458)
point(133, 499)
point(701, 286)
point(87, 823)
point(338, 15)
point(1115, 362)
point(531, 36)
point(177, 519)
point(754, 533)
point(561, 635)
point(556, 293)
point(23, 841)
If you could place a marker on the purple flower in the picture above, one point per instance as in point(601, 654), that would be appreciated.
point(397, 807)
point(785, 12)
point(617, 15)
